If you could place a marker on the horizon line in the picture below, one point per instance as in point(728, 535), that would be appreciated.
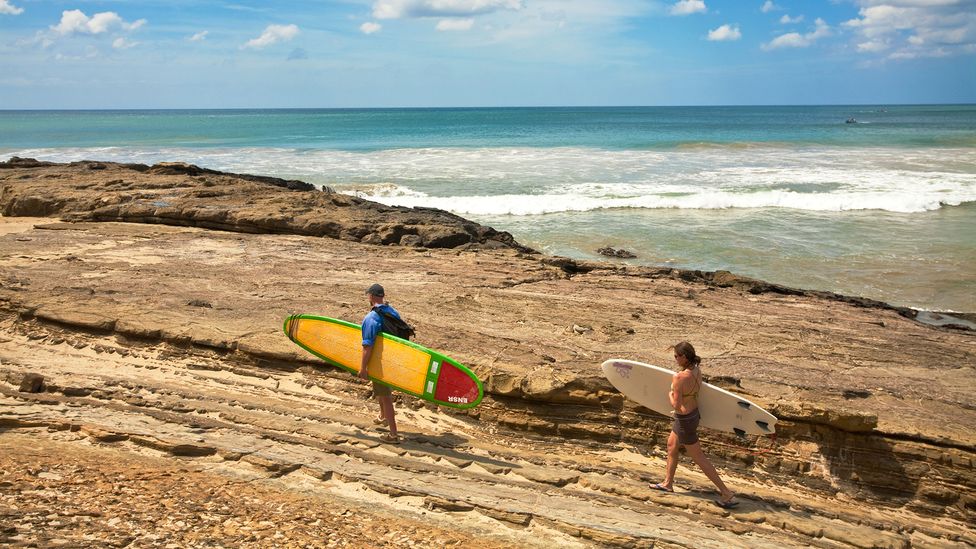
point(484, 107)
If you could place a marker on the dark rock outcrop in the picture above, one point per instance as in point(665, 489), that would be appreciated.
point(175, 193)
point(32, 383)
point(613, 252)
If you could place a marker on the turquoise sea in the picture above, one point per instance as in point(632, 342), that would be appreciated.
point(883, 208)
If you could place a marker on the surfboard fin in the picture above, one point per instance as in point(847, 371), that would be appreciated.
point(745, 405)
point(740, 432)
point(762, 425)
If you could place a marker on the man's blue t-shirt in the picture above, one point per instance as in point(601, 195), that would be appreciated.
point(373, 323)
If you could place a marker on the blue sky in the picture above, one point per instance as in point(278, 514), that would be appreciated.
point(390, 53)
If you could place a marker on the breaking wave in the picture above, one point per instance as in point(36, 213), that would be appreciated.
point(531, 181)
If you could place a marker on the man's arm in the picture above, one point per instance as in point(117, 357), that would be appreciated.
point(370, 332)
point(364, 366)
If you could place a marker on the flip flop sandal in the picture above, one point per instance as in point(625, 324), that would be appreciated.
point(730, 504)
point(390, 439)
point(661, 487)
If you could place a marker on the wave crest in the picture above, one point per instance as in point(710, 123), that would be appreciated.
point(530, 181)
point(538, 204)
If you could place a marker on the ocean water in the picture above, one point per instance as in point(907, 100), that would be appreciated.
point(883, 208)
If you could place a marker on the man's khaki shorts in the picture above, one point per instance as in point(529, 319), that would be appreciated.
point(381, 390)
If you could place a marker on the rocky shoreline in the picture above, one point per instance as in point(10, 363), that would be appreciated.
point(189, 196)
point(175, 193)
point(140, 279)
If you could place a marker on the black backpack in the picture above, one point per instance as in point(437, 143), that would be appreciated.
point(396, 326)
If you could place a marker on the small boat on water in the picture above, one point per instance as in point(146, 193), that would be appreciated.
point(851, 120)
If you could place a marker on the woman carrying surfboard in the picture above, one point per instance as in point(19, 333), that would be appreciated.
point(685, 386)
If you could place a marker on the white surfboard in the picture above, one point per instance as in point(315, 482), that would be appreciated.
point(648, 385)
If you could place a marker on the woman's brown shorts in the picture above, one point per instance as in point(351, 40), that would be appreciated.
point(686, 427)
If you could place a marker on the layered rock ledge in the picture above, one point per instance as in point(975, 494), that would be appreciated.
point(162, 339)
point(181, 194)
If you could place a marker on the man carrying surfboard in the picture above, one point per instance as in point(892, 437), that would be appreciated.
point(372, 326)
point(685, 386)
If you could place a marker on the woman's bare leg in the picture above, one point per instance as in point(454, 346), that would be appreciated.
point(672, 461)
point(696, 453)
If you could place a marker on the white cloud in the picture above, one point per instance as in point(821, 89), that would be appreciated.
point(574, 31)
point(916, 28)
point(199, 37)
point(724, 33)
point(797, 40)
point(688, 7)
point(370, 27)
point(17, 81)
point(90, 52)
point(769, 6)
point(787, 20)
point(873, 46)
point(121, 43)
point(399, 9)
point(455, 24)
point(40, 38)
point(788, 40)
point(906, 54)
point(7, 8)
point(75, 21)
point(271, 35)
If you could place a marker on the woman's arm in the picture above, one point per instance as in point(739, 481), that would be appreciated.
point(677, 384)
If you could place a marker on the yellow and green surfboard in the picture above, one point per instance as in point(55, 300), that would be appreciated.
point(397, 363)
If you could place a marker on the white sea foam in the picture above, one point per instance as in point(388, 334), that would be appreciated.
point(552, 203)
point(529, 181)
